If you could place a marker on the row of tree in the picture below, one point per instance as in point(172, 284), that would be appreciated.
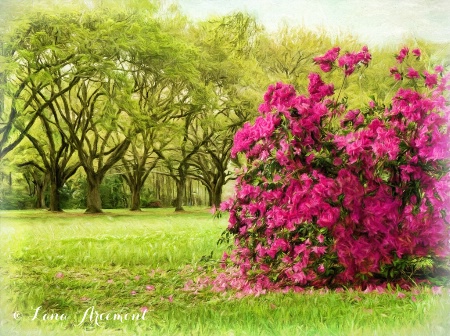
point(102, 88)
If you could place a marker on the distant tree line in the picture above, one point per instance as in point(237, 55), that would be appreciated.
point(93, 99)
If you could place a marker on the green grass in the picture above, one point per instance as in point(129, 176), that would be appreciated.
point(104, 258)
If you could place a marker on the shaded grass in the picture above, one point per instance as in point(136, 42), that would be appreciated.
point(72, 263)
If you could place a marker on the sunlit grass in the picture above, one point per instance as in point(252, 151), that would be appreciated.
point(120, 262)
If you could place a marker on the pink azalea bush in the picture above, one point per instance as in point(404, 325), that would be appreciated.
point(332, 197)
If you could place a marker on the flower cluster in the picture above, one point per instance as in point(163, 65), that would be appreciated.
point(348, 62)
point(348, 203)
point(431, 79)
point(326, 61)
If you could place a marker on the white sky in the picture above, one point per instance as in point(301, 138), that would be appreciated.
point(373, 21)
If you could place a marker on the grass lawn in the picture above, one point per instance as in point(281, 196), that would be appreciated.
point(90, 274)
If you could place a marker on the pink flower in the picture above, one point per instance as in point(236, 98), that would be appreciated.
point(149, 288)
point(364, 55)
point(170, 298)
point(416, 52)
point(337, 161)
point(282, 158)
point(412, 73)
point(59, 275)
point(393, 70)
point(325, 67)
point(386, 142)
point(358, 120)
point(243, 139)
point(110, 281)
point(321, 268)
point(401, 295)
point(144, 309)
point(430, 79)
point(133, 292)
point(213, 210)
point(328, 216)
point(439, 69)
point(402, 55)
point(436, 290)
point(326, 61)
point(349, 61)
point(319, 250)
point(317, 88)
point(350, 116)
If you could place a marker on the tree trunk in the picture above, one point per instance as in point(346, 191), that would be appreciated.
point(93, 199)
point(180, 192)
point(135, 198)
point(55, 199)
point(217, 195)
point(2, 90)
point(40, 195)
point(210, 197)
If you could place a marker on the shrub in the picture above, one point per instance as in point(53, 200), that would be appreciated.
point(16, 200)
point(153, 204)
point(332, 196)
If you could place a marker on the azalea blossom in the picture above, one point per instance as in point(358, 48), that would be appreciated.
point(350, 61)
point(402, 54)
point(416, 52)
point(326, 61)
point(439, 69)
point(412, 73)
point(430, 79)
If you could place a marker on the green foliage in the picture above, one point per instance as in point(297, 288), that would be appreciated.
point(148, 71)
point(16, 201)
point(112, 192)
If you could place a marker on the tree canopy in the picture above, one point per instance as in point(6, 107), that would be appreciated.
point(100, 87)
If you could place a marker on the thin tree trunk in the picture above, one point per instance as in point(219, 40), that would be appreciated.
point(180, 183)
point(2, 91)
point(210, 197)
point(40, 195)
